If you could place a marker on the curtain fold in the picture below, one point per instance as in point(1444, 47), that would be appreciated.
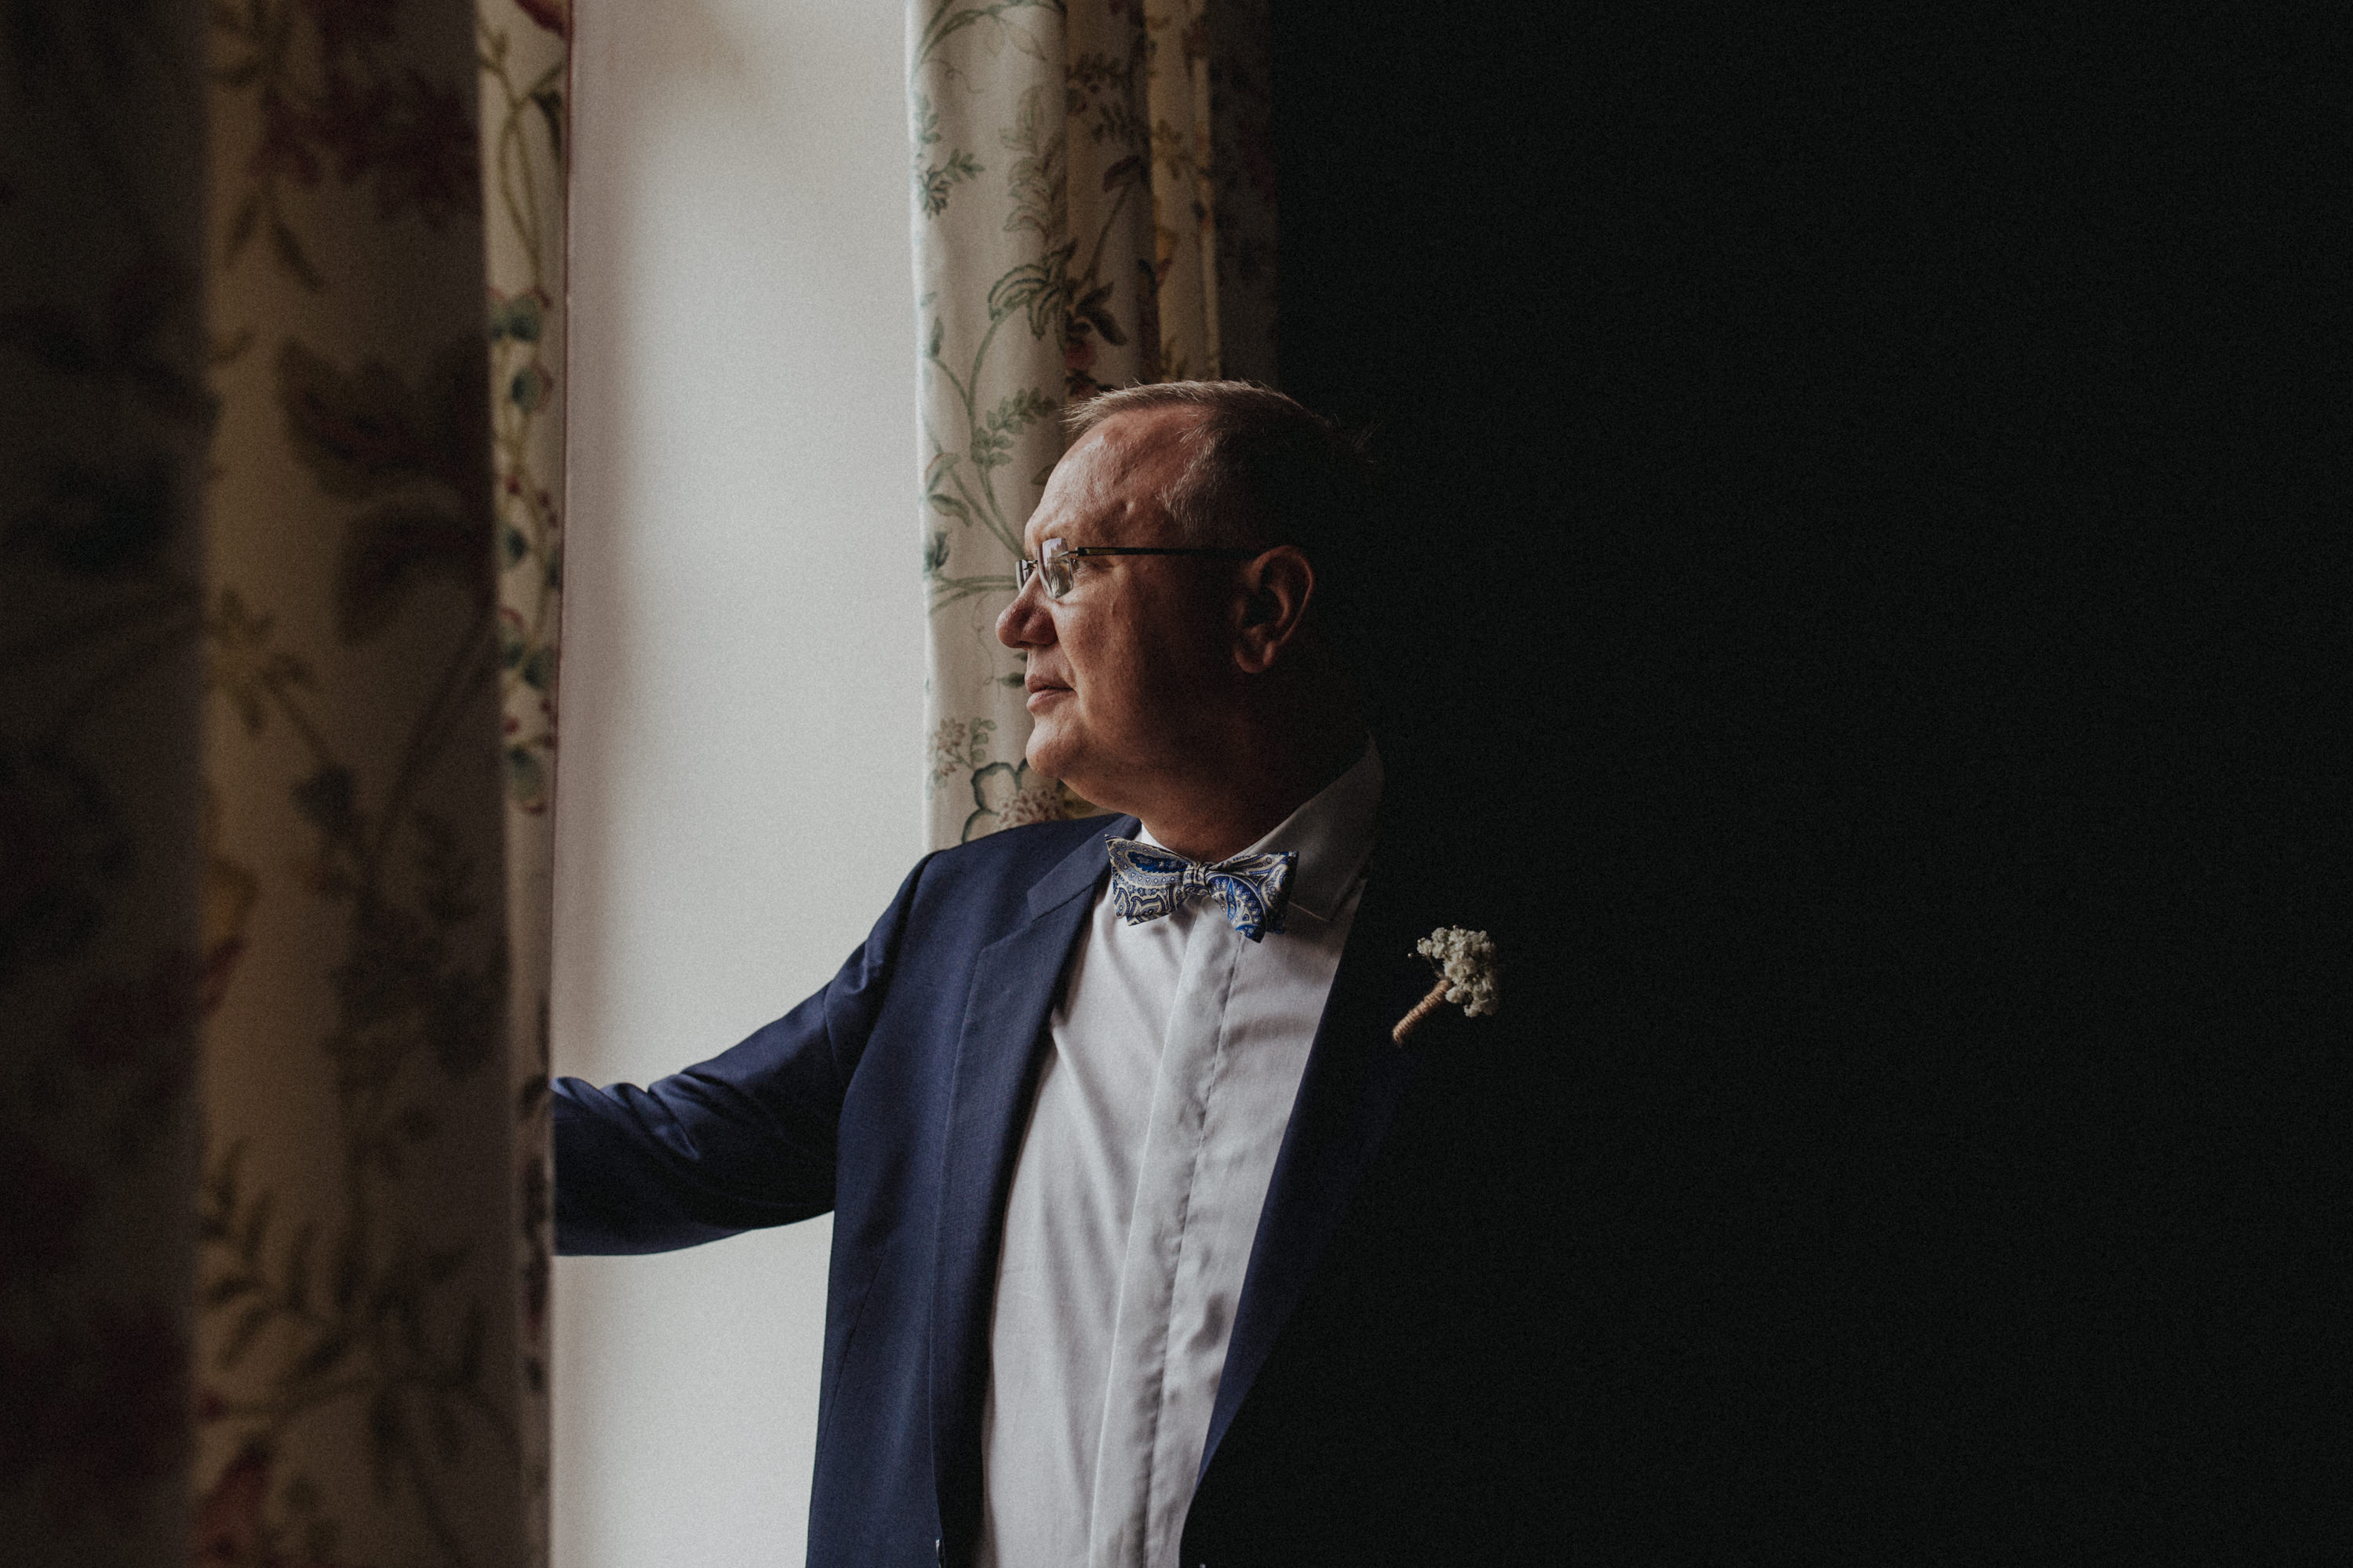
point(105, 961)
point(281, 517)
point(1093, 207)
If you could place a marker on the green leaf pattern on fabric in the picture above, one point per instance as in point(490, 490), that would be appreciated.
point(523, 53)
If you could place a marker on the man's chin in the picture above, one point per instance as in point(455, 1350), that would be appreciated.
point(1047, 755)
point(1054, 756)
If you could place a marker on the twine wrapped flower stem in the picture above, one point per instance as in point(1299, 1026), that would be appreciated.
point(1467, 974)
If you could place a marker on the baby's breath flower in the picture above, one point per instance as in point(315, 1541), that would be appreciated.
point(1469, 973)
point(1467, 959)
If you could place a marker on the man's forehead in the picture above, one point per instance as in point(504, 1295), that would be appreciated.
point(1109, 483)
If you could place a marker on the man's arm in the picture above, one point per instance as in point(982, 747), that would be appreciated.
point(742, 1140)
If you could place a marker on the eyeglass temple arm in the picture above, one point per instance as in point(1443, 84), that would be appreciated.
point(1159, 549)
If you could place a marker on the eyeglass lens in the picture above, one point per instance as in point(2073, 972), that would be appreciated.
point(1052, 563)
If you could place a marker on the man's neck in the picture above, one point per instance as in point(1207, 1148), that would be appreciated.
point(1219, 821)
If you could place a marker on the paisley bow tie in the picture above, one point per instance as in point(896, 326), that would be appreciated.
point(1148, 882)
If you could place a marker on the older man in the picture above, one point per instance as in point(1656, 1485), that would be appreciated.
point(1154, 1242)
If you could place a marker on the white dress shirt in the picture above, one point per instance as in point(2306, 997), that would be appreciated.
point(1178, 1050)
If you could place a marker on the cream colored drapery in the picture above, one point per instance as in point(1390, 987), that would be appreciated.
point(1093, 207)
point(281, 533)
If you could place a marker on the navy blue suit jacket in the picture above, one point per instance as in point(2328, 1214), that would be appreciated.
point(1379, 1402)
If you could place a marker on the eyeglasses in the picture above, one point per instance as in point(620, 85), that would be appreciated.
point(1056, 561)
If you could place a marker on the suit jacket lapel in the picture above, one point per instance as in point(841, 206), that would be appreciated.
point(1356, 1075)
point(998, 1056)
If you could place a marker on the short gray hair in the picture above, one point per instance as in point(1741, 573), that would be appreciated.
point(1262, 469)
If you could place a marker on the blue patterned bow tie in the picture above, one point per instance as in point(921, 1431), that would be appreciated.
point(1147, 882)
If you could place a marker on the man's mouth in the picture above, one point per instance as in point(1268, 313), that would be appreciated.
point(1042, 692)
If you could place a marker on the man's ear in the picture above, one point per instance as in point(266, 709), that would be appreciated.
point(1276, 588)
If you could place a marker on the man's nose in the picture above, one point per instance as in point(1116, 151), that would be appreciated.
point(1026, 623)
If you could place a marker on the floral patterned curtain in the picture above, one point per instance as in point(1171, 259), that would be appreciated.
point(525, 59)
point(282, 539)
point(1093, 207)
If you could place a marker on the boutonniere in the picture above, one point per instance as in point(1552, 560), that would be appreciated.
point(1468, 972)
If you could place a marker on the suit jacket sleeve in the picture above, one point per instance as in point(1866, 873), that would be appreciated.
point(742, 1140)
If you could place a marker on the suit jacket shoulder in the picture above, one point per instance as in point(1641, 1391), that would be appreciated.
point(1003, 867)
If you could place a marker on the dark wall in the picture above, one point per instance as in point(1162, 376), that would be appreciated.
point(1861, 533)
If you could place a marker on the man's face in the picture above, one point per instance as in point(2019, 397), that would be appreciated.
point(1131, 670)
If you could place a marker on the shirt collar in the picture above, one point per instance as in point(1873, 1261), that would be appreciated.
point(1331, 834)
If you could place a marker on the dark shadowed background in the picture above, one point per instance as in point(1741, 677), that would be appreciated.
point(1860, 530)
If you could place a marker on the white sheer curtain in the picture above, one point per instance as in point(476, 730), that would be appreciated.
point(743, 683)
